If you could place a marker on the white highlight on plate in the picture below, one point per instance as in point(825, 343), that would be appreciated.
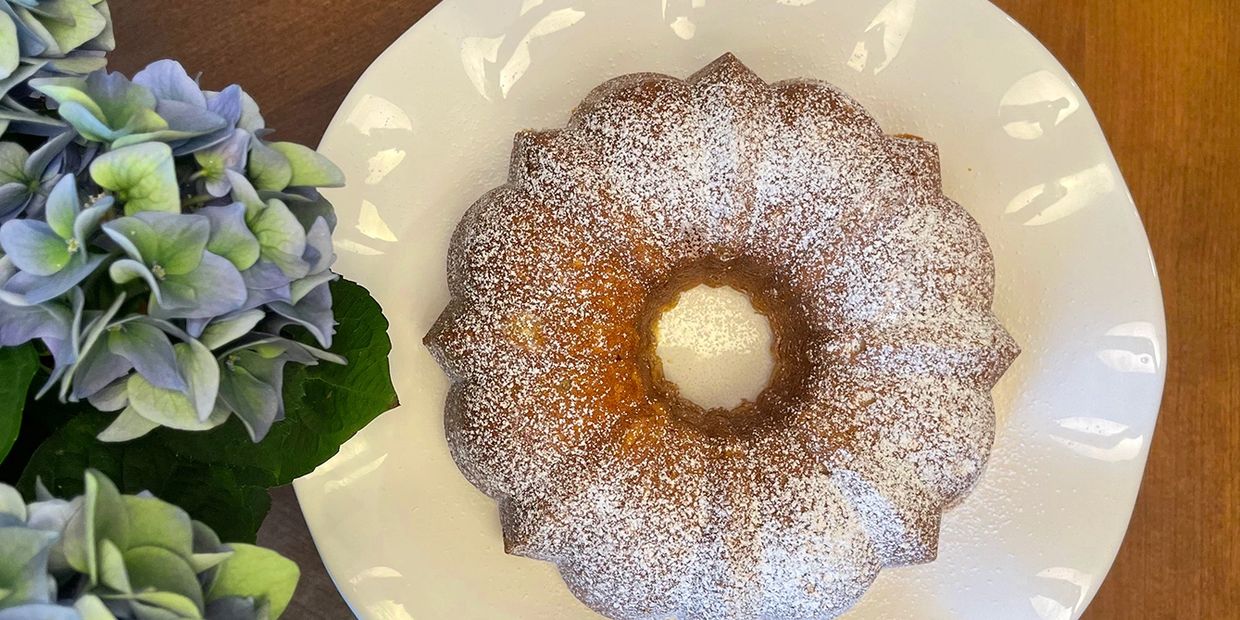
point(1035, 104)
point(1098, 439)
point(374, 113)
point(383, 163)
point(371, 224)
point(1047, 203)
point(1141, 353)
point(1074, 583)
point(715, 347)
point(885, 35)
point(684, 28)
point(376, 572)
point(479, 53)
point(353, 247)
point(519, 62)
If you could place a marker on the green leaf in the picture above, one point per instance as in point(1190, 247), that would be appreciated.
point(142, 176)
point(220, 476)
point(309, 168)
point(20, 365)
point(257, 573)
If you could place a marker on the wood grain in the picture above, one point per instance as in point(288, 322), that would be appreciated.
point(1164, 79)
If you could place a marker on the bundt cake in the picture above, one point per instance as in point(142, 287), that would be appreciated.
point(878, 288)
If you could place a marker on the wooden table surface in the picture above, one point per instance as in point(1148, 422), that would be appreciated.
point(1163, 77)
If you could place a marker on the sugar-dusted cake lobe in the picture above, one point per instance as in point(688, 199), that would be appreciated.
point(877, 286)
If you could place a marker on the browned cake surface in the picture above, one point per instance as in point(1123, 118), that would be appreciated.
point(879, 289)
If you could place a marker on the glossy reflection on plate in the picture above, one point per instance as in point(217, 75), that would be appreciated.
point(429, 129)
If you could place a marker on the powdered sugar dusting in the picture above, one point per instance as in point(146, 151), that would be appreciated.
point(648, 515)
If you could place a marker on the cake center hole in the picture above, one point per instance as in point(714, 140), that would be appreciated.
point(715, 347)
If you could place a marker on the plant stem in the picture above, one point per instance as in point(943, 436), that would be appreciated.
point(200, 199)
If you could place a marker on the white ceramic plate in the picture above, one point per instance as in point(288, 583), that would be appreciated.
point(428, 129)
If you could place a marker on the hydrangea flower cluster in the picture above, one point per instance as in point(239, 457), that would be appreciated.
point(107, 556)
point(41, 37)
point(158, 245)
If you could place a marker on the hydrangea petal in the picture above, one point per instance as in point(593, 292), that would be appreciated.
point(230, 154)
point(113, 397)
point(10, 52)
point(168, 80)
point(313, 312)
point(81, 63)
point(230, 236)
point(319, 252)
point(80, 23)
point(101, 518)
point(13, 163)
point(309, 168)
point(13, 199)
point(21, 324)
point(243, 192)
point(98, 368)
point(228, 329)
point(174, 241)
point(127, 270)
point(268, 168)
point(62, 207)
point(187, 121)
point(84, 121)
point(31, 289)
point(34, 247)
point(265, 283)
point(42, 157)
point(42, 611)
point(182, 240)
point(25, 552)
point(299, 289)
point(175, 409)
point(84, 340)
point(251, 117)
point(213, 289)
point(127, 427)
point(257, 573)
point(125, 105)
point(66, 90)
point(142, 176)
point(88, 220)
point(281, 237)
point(150, 352)
point(227, 103)
point(89, 606)
point(251, 400)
